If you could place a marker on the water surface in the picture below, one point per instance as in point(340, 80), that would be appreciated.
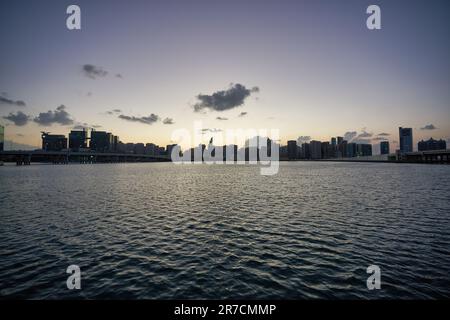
point(165, 231)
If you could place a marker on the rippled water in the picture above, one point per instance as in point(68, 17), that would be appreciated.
point(166, 231)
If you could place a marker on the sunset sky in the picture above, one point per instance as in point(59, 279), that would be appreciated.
point(141, 69)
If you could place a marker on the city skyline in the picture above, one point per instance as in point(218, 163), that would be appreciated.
point(310, 68)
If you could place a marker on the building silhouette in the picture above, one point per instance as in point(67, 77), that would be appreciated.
point(384, 147)
point(432, 144)
point(78, 139)
point(292, 149)
point(53, 142)
point(406, 139)
point(2, 138)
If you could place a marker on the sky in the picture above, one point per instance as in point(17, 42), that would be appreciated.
point(142, 69)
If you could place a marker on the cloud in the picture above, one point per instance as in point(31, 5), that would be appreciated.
point(303, 139)
point(91, 71)
point(222, 118)
point(224, 100)
point(380, 139)
point(383, 134)
point(118, 75)
point(5, 101)
point(19, 119)
point(211, 130)
point(113, 111)
point(349, 135)
point(59, 116)
point(81, 126)
point(361, 141)
point(429, 127)
point(168, 121)
point(242, 114)
point(151, 119)
point(364, 134)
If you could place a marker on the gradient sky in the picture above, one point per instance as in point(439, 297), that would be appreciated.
point(319, 70)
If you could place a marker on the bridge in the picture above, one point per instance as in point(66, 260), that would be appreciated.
point(65, 157)
point(434, 156)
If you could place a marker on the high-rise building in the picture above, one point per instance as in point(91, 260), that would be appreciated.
point(352, 150)
point(364, 150)
point(326, 150)
point(384, 147)
point(340, 140)
point(315, 149)
point(139, 148)
point(342, 148)
point(101, 141)
point(2, 138)
point(432, 144)
point(292, 149)
point(78, 140)
point(306, 151)
point(53, 142)
point(406, 139)
point(333, 141)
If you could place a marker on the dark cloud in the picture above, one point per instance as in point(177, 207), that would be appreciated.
point(151, 119)
point(59, 116)
point(242, 114)
point(383, 134)
point(5, 101)
point(303, 139)
point(211, 130)
point(168, 121)
point(19, 119)
point(350, 135)
point(380, 138)
point(94, 72)
point(361, 141)
point(118, 75)
point(225, 99)
point(113, 111)
point(429, 127)
point(222, 118)
point(364, 134)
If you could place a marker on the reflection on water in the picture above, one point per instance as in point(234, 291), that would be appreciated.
point(165, 231)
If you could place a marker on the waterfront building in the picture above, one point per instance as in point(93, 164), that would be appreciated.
point(326, 150)
point(333, 141)
point(292, 149)
point(78, 139)
point(139, 148)
point(340, 140)
point(384, 147)
point(2, 138)
point(53, 142)
point(406, 139)
point(364, 150)
point(432, 144)
point(342, 148)
point(316, 149)
point(306, 152)
point(101, 141)
point(352, 150)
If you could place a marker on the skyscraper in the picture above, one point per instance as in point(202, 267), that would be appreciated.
point(384, 147)
point(406, 139)
point(2, 137)
point(78, 139)
point(292, 149)
point(315, 149)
